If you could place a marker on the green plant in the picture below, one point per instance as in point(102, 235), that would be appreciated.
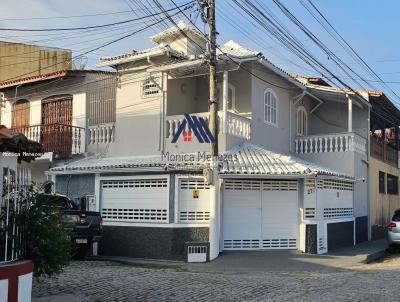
point(48, 244)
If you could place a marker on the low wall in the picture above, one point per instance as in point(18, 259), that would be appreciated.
point(16, 281)
point(149, 242)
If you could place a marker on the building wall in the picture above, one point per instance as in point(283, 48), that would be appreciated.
point(271, 137)
point(137, 118)
point(382, 204)
point(23, 60)
point(36, 93)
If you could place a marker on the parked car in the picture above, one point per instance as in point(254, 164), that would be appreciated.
point(394, 230)
point(85, 226)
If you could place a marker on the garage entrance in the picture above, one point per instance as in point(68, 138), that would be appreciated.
point(260, 214)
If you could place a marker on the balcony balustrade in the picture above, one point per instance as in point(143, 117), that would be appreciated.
point(63, 140)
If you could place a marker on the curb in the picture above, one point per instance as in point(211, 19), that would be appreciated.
point(375, 256)
point(138, 262)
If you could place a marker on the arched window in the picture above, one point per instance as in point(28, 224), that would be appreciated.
point(301, 121)
point(270, 107)
point(20, 114)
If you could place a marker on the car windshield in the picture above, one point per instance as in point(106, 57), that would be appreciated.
point(396, 216)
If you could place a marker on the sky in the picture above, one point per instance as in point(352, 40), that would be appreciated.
point(369, 26)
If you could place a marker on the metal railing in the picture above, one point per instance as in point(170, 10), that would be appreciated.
point(63, 140)
point(384, 152)
point(14, 203)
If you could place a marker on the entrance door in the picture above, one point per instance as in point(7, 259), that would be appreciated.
point(260, 215)
point(56, 134)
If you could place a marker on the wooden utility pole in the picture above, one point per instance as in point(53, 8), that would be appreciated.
point(213, 101)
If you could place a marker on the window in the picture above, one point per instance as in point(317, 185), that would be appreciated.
point(150, 87)
point(396, 216)
point(231, 96)
point(270, 108)
point(301, 121)
point(20, 114)
point(392, 184)
point(101, 98)
point(381, 182)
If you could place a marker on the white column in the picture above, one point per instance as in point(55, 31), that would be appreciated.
point(214, 233)
point(225, 102)
point(349, 114)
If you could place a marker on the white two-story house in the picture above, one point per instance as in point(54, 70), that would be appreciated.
point(293, 166)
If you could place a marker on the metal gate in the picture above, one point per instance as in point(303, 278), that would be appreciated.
point(260, 215)
point(135, 200)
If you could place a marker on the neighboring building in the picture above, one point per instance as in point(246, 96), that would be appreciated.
point(24, 60)
point(71, 113)
point(384, 162)
point(295, 168)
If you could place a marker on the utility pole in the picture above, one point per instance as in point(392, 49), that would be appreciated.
point(214, 223)
point(213, 101)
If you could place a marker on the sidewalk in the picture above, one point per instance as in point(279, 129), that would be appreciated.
point(267, 261)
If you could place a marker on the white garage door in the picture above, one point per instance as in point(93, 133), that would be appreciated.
point(135, 200)
point(260, 215)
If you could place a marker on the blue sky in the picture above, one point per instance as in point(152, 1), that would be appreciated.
point(370, 26)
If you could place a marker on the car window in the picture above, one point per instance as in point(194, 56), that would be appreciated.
point(396, 216)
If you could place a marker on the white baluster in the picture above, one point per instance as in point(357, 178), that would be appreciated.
point(340, 144)
point(296, 145)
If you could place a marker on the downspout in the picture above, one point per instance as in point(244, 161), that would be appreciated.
point(369, 173)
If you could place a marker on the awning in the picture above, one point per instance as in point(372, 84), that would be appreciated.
point(242, 160)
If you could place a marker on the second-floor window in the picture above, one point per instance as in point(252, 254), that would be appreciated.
point(392, 184)
point(150, 88)
point(301, 121)
point(270, 108)
point(382, 182)
point(20, 114)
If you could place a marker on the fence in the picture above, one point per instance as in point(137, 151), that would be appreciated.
point(14, 204)
point(384, 152)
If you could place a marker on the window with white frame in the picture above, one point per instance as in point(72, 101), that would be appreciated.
point(270, 108)
point(150, 87)
point(301, 121)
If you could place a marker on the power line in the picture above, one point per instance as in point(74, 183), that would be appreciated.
point(349, 48)
point(96, 48)
point(90, 27)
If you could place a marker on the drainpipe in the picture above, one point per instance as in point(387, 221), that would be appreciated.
point(369, 174)
point(225, 102)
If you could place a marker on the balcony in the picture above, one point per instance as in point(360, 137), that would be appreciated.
point(384, 152)
point(63, 140)
point(236, 125)
point(326, 143)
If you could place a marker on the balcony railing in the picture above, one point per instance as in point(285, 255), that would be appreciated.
point(101, 134)
point(384, 152)
point(63, 140)
point(237, 125)
point(335, 142)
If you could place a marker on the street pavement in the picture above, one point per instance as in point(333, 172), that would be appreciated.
point(340, 277)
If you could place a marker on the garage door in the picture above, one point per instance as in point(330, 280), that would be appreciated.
point(260, 215)
point(135, 200)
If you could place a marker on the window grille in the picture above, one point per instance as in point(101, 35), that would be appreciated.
point(150, 88)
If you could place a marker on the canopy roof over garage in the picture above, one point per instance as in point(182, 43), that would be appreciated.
point(245, 159)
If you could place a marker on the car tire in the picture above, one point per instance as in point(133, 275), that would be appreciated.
point(392, 249)
point(80, 252)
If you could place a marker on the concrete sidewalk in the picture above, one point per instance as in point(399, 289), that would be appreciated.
point(268, 261)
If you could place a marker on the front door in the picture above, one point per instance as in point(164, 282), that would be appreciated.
point(56, 134)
